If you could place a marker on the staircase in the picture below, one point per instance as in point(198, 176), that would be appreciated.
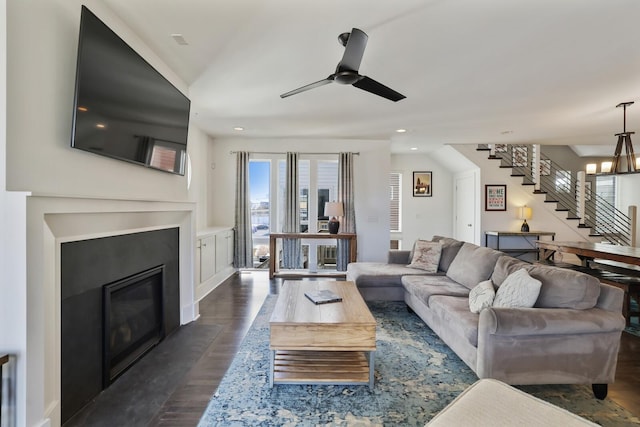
point(569, 191)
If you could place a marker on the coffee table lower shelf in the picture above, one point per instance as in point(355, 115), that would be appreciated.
point(321, 367)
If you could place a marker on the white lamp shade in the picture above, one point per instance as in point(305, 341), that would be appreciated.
point(591, 168)
point(333, 209)
point(525, 212)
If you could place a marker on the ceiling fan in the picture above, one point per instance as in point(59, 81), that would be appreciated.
point(347, 69)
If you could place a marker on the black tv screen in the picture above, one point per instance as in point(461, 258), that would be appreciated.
point(124, 108)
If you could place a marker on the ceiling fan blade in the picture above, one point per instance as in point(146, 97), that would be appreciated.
point(370, 85)
point(353, 51)
point(309, 87)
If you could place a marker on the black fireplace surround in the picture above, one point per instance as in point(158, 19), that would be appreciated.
point(92, 272)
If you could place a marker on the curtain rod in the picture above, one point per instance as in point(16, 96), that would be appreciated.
point(285, 152)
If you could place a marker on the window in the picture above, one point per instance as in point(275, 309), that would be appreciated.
point(605, 200)
point(259, 175)
point(563, 181)
point(395, 201)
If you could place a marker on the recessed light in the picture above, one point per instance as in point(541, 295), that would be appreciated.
point(414, 148)
point(238, 128)
point(401, 130)
point(101, 125)
point(83, 109)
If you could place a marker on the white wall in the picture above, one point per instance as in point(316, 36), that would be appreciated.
point(371, 184)
point(423, 217)
point(197, 182)
point(13, 268)
point(42, 47)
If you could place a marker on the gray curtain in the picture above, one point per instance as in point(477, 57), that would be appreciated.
point(346, 196)
point(291, 248)
point(243, 247)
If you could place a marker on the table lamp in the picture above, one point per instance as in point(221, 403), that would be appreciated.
point(333, 209)
point(524, 213)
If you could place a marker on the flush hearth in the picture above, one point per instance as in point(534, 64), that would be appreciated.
point(120, 296)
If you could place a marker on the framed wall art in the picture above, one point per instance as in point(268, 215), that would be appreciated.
point(495, 197)
point(422, 184)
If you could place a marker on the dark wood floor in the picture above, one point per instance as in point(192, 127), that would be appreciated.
point(234, 304)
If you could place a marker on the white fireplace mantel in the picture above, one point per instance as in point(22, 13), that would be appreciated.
point(52, 221)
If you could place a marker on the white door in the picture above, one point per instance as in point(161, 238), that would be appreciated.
point(465, 224)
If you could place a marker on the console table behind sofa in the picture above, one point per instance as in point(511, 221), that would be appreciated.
point(518, 244)
point(273, 252)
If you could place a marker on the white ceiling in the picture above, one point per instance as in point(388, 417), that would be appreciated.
point(473, 71)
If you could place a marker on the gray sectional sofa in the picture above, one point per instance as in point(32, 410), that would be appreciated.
point(570, 336)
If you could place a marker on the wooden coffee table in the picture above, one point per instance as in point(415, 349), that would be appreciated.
point(321, 344)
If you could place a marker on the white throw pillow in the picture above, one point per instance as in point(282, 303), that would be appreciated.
point(426, 255)
point(518, 290)
point(481, 296)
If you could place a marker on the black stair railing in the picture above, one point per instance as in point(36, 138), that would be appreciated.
point(560, 186)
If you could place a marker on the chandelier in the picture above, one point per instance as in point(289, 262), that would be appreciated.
point(616, 165)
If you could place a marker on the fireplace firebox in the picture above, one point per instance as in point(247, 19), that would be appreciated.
point(133, 320)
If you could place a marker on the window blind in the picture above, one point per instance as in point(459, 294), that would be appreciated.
point(395, 201)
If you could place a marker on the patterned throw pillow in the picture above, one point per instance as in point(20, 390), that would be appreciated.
point(518, 290)
point(426, 256)
point(481, 296)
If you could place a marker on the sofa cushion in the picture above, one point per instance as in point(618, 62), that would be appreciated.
point(481, 296)
point(563, 288)
point(424, 287)
point(473, 264)
point(398, 256)
point(518, 290)
point(455, 321)
point(450, 248)
point(378, 274)
point(505, 266)
point(426, 256)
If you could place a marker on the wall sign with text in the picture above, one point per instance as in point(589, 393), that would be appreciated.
point(495, 197)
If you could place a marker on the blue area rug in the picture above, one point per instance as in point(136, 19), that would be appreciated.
point(416, 376)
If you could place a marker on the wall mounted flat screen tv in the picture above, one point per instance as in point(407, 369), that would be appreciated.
point(124, 108)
